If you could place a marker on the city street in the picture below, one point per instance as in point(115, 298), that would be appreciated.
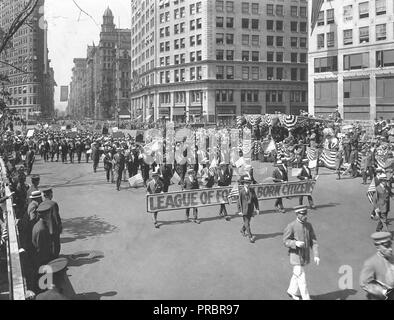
point(120, 255)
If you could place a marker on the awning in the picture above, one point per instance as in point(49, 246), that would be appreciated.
point(179, 111)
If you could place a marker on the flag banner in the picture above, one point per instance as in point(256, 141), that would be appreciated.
point(234, 153)
point(311, 154)
point(217, 196)
point(225, 146)
point(247, 143)
point(371, 191)
point(30, 133)
point(328, 158)
point(136, 181)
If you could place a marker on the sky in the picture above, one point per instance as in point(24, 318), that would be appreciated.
point(70, 32)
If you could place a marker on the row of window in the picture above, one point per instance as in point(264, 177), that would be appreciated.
point(254, 40)
point(253, 73)
point(195, 73)
point(179, 28)
point(254, 8)
point(255, 56)
point(363, 36)
point(193, 8)
point(384, 58)
point(273, 96)
point(180, 97)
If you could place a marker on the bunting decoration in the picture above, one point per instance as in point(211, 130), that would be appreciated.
point(234, 153)
point(247, 143)
point(290, 121)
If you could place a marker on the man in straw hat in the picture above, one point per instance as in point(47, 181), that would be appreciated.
point(280, 175)
point(191, 183)
point(155, 186)
point(248, 205)
point(381, 202)
point(299, 237)
point(377, 274)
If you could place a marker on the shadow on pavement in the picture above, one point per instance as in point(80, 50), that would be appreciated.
point(83, 258)
point(328, 205)
point(267, 236)
point(85, 227)
point(169, 223)
point(82, 184)
point(94, 295)
point(335, 295)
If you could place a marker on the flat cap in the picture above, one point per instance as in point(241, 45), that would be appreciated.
point(381, 237)
point(301, 209)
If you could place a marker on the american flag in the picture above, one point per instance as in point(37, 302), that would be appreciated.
point(234, 193)
point(371, 191)
point(311, 153)
point(380, 161)
point(328, 158)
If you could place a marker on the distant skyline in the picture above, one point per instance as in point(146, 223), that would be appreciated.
point(71, 31)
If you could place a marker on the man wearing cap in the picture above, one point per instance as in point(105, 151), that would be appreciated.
point(248, 205)
point(155, 186)
point(35, 182)
point(377, 274)
point(54, 221)
point(299, 237)
point(41, 238)
point(224, 180)
point(381, 202)
point(190, 183)
point(306, 174)
point(280, 176)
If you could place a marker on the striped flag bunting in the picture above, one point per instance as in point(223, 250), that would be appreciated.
point(328, 158)
point(316, 6)
point(311, 153)
point(290, 121)
point(371, 191)
point(380, 161)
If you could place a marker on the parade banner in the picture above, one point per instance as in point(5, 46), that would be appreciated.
point(234, 137)
point(217, 196)
point(170, 141)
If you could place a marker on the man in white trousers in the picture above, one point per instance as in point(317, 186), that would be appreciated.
point(299, 237)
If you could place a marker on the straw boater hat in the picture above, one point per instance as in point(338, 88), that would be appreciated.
point(36, 195)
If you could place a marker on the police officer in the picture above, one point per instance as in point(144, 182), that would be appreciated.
point(377, 275)
point(381, 202)
point(306, 174)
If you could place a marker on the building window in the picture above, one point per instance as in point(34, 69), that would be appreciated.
point(270, 9)
point(303, 42)
point(294, 74)
point(330, 39)
point(294, 42)
point(230, 55)
point(347, 37)
point(245, 7)
point(219, 54)
point(279, 73)
point(293, 26)
point(245, 23)
point(219, 72)
point(279, 10)
point(219, 38)
point(380, 7)
point(270, 25)
point(303, 57)
point(363, 9)
point(356, 88)
point(245, 39)
point(255, 24)
point(195, 96)
point(192, 73)
point(199, 55)
point(199, 24)
point(255, 8)
point(198, 7)
point(270, 40)
point(255, 40)
point(303, 12)
point(230, 73)
point(219, 22)
point(230, 6)
point(255, 73)
point(229, 22)
point(320, 19)
point(279, 25)
point(279, 41)
point(356, 61)
point(255, 56)
point(330, 16)
point(245, 55)
point(245, 73)
point(302, 74)
point(380, 32)
point(293, 58)
point(229, 38)
point(348, 13)
point(326, 64)
point(279, 57)
point(199, 40)
point(385, 58)
point(270, 56)
point(192, 41)
point(219, 5)
point(320, 40)
point(364, 34)
point(294, 11)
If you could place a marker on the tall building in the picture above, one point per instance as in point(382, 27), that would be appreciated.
point(32, 81)
point(102, 90)
point(352, 59)
point(212, 60)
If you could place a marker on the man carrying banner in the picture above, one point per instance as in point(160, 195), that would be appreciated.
point(248, 205)
point(191, 183)
point(280, 176)
point(299, 237)
point(306, 174)
point(377, 275)
point(155, 186)
point(224, 180)
point(381, 202)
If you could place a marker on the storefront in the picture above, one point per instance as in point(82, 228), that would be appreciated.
point(226, 114)
point(272, 109)
point(195, 113)
point(164, 112)
point(250, 110)
point(179, 114)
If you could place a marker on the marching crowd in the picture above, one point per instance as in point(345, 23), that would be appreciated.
point(40, 225)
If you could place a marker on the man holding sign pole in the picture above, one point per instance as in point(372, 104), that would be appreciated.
point(155, 186)
point(306, 174)
point(249, 205)
point(191, 183)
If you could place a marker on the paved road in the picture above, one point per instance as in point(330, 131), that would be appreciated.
point(207, 261)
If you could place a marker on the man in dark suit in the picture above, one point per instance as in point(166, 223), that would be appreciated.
point(119, 165)
point(95, 156)
point(248, 205)
point(30, 156)
point(306, 174)
point(155, 186)
point(280, 176)
point(224, 180)
point(191, 183)
point(381, 202)
point(166, 175)
point(41, 238)
point(377, 275)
